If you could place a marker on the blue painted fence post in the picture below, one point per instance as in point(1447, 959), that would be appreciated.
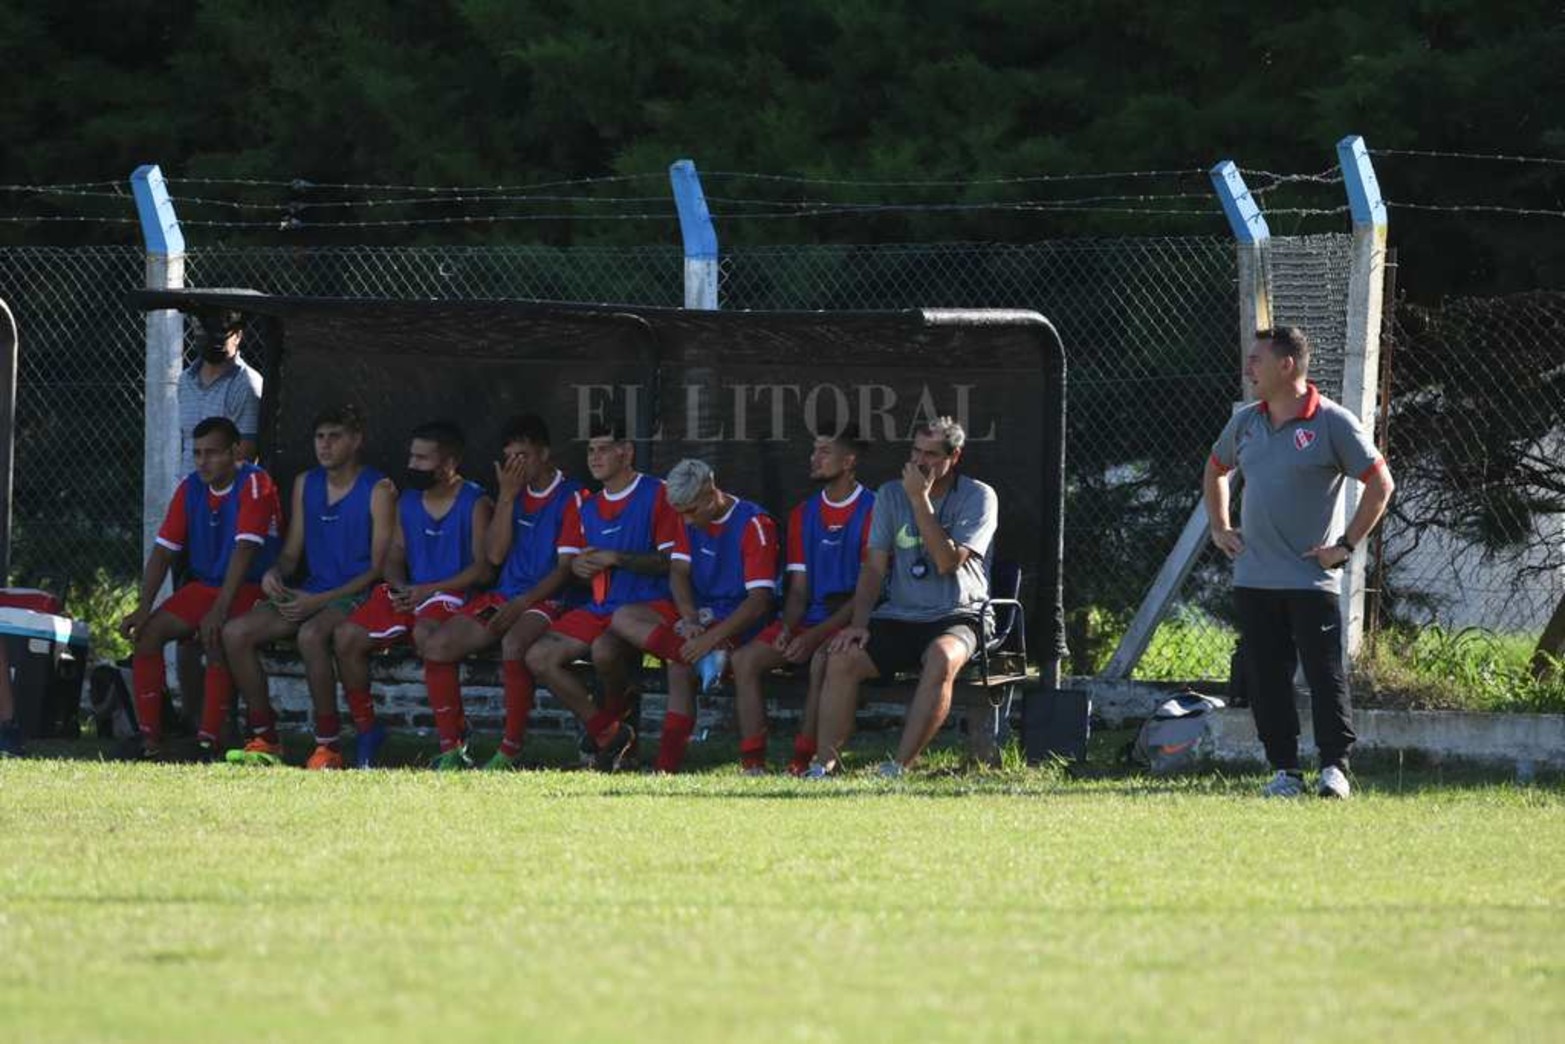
point(700, 237)
point(165, 245)
point(1361, 355)
point(1253, 237)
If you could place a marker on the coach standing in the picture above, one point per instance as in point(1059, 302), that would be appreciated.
point(1294, 449)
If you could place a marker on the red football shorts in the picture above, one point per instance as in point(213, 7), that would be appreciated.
point(195, 599)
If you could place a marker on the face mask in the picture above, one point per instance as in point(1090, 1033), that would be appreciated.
point(215, 350)
point(419, 480)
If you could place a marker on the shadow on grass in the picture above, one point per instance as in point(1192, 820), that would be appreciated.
point(711, 771)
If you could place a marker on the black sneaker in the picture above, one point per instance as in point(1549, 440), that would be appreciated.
point(136, 748)
point(612, 756)
point(11, 745)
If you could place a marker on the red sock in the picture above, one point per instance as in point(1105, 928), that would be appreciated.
point(803, 750)
point(676, 737)
point(519, 689)
point(219, 695)
point(617, 704)
point(328, 730)
point(602, 726)
point(146, 672)
point(665, 644)
point(263, 722)
point(361, 708)
point(752, 751)
point(445, 700)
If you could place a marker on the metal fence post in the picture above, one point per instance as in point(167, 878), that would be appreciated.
point(1253, 237)
point(8, 354)
point(165, 245)
point(1249, 229)
point(1361, 359)
point(700, 237)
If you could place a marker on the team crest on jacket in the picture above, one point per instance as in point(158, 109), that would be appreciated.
point(1302, 438)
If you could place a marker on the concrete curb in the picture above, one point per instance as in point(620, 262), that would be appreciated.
point(1526, 741)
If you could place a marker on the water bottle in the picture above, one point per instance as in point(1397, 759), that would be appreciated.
point(710, 668)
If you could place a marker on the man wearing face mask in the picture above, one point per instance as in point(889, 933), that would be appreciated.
point(929, 537)
point(220, 384)
point(534, 586)
point(435, 561)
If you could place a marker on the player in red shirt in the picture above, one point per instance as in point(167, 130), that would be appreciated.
point(828, 537)
point(618, 541)
point(225, 518)
point(723, 590)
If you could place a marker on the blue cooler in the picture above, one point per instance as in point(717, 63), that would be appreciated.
point(47, 654)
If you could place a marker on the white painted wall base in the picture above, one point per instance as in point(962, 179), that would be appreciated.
point(1526, 741)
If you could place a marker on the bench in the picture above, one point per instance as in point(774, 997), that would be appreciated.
point(982, 700)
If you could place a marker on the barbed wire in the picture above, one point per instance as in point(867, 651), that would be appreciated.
point(1491, 156)
point(745, 175)
point(24, 219)
point(61, 186)
point(1478, 208)
point(306, 185)
point(301, 205)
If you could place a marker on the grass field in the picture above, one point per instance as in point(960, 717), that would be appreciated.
point(191, 902)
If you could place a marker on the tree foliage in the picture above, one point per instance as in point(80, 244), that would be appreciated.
point(482, 92)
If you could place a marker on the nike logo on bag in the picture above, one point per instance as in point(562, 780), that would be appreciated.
point(906, 539)
point(1327, 627)
point(612, 529)
point(708, 551)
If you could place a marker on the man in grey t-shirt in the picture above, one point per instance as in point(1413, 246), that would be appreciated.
point(1296, 449)
point(220, 384)
point(929, 538)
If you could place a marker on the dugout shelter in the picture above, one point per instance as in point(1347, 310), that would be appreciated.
point(745, 391)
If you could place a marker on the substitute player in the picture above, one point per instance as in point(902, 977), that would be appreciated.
point(436, 559)
point(533, 589)
point(226, 520)
point(828, 538)
point(724, 589)
point(619, 541)
point(339, 526)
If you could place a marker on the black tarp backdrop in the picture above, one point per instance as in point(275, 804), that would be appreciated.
point(744, 391)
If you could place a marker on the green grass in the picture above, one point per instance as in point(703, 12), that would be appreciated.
point(188, 902)
point(1418, 668)
point(1470, 669)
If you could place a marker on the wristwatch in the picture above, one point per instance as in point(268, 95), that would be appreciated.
point(1345, 544)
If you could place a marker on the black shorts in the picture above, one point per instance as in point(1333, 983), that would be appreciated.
point(899, 645)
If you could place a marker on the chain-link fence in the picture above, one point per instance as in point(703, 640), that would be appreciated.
point(76, 501)
point(1149, 325)
point(1476, 435)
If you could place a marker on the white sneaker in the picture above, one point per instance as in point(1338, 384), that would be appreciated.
point(1284, 785)
point(1333, 783)
point(889, 770)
